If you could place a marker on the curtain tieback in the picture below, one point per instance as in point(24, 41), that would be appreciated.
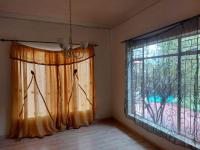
point(76, 76)
point(25, 97)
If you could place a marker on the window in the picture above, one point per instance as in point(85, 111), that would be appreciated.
point(163, 82)
point(81, 90)
point(50, 92)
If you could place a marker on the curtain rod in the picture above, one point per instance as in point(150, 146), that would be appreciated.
point(173, 24)
point(48, 42)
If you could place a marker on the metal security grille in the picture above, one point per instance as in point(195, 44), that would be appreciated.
point(163, 83)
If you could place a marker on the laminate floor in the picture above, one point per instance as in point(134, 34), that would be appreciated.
point(103, 135)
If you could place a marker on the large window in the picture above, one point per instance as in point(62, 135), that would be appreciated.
point(163, 82)
point(50, 92)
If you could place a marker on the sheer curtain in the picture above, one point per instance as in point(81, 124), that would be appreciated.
point(50, 92)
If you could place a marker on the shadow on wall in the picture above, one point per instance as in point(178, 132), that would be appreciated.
point(4, 87)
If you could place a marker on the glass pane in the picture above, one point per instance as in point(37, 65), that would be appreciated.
point(160, 89)
point(163, 48)
point(137, 53)
point(137, 101)
point(190, 106)
point(190, 43)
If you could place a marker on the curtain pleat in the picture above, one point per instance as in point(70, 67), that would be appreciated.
point(49, 92)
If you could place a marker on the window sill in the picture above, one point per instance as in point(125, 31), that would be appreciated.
point(161, 131)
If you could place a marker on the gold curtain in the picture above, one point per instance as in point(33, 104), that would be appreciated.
point(49, 92)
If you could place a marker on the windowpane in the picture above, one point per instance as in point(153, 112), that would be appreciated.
point(160, 91)
point(163, 48)
point(137, 101)
point(190, 43)
point(163, 86)
point(137, 53)
point(190, 105)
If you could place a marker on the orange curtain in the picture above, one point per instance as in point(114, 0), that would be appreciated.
point(50, 92)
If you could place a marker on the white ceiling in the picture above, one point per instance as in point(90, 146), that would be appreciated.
point(95, 13)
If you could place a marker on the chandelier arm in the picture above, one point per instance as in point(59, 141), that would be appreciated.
point(69, 51)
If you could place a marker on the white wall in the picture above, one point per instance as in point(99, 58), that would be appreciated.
point(31, 30)
point(164, 13)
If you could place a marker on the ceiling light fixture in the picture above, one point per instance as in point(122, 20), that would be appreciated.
point(69, 46)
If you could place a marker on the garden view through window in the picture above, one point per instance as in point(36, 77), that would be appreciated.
point(163, 85)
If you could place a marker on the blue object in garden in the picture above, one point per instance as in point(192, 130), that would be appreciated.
point(170, 99)
point(158, 99)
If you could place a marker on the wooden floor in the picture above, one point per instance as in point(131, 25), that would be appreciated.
point(104, 135)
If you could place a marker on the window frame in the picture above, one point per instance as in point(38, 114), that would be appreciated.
point(140, 120)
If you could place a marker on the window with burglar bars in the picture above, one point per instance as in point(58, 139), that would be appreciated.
point(163, 82)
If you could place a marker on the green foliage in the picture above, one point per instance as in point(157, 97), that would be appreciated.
point(159, 77)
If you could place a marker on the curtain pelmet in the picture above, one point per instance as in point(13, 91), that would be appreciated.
point(44, 57)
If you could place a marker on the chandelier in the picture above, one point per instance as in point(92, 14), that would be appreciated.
point(69, 46)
